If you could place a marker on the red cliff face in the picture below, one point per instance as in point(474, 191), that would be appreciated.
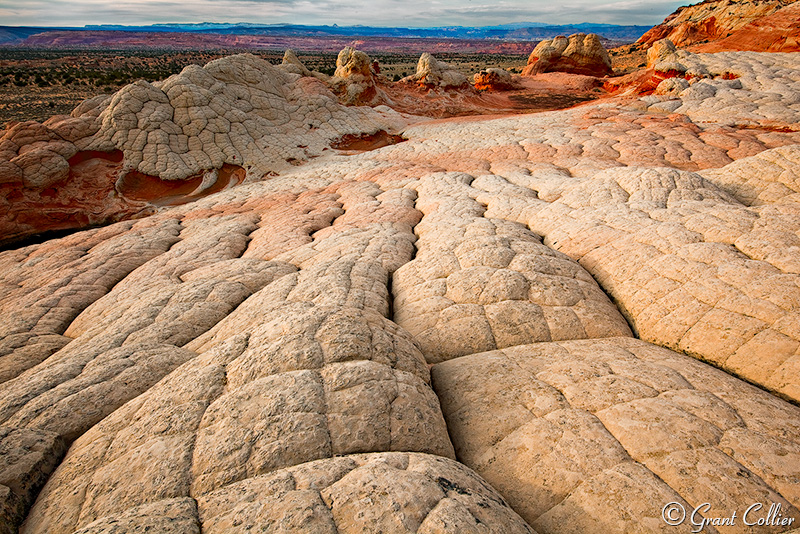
point(779, 32)
point(713, 20)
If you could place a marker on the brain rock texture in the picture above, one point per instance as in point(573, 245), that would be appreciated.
point(555, 322)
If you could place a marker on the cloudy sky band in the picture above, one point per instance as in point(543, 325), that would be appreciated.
point(418, 13)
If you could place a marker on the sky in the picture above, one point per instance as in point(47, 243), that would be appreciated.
point(408, 13)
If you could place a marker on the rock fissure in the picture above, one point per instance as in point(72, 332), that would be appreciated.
point(312, 350)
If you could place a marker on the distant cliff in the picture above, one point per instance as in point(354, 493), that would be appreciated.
point(225, 34)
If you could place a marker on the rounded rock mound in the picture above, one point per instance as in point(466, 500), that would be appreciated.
point(578, 54)
point(434, 74)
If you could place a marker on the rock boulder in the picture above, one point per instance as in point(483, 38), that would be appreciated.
point(355, 82)
point(434, 74)
point(494, 79)
point(578, 54)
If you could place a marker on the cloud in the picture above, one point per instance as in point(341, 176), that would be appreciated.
point(342, 12)
point(626, 12)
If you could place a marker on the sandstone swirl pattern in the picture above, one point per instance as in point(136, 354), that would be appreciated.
point(260, 359)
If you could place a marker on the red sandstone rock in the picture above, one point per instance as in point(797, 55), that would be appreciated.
point(494, 80)
point(713, 20)
point(779, 32)
point(580, 54)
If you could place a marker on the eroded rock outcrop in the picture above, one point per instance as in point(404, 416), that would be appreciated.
point(176, 135)
point(493, 79)
point(291, 63)
point(435, 74)
point(711, 20)
point(355, 81)
point(777, 32)
point(260, 358)
point(578, 54)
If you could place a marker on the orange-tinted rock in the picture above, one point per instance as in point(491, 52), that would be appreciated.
point(435, 74)
point(711, 20)
point(355, 82)
point(493, 79)
point(578, 54)
point(137, 186)
point(93, 190)
point(779, 32)
point(82, 196)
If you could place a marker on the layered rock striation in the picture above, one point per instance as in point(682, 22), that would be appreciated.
point(435, 74)
point(551, 322)
point(772, 33)
point(712, 20)
point(579, 54)
point(175, 136)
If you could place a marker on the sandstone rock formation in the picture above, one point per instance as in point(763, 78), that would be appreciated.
point(291, 63)
point(715, 80)
point(620, 424)
point(578, 54)
point(434, 74)
point(712, 20)
point(172, 136)
point(479, 283)
point(354, 80)
point(536, 323)
point(493, 79)
point(777, 32)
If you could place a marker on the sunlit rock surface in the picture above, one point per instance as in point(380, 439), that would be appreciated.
point(238, 111)
point(762, 25)
point(773, 33)
point(494, 79)
point(435, 74)
point(618, 423)
point(579, 54)
point(542, 322)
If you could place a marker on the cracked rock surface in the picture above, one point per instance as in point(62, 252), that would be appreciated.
point(617, 423)
point(554, 323)
point(236, 111)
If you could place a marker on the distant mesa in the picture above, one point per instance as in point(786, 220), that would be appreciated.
point(578, 54)
point(212, 35)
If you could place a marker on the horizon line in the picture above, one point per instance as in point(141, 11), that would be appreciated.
point(279, 24)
